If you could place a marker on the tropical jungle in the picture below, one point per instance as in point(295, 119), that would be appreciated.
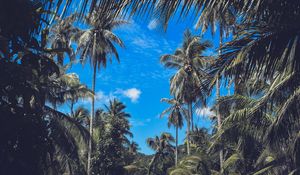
point(150, 87)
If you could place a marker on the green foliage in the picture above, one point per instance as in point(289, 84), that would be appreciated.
point(113, 147)
point(191, 165)
point(163, 157)
point(259, 132)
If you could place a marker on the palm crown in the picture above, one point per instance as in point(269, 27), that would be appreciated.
point(97, 43)
point(187, 83)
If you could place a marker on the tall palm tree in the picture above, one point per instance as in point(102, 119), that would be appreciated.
point(176, 113)
point(218, 114)
point(97, 45)
point(162, 147)
point(188, 82)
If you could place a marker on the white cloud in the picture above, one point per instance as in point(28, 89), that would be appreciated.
point(139, 39)
point(103, 98)
point(143, 43)
point(133, 93)
point(100, 98)
point(152, 24)
point(205, 112)
point(134, 122)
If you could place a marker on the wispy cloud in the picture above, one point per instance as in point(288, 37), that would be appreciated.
point(139, 39)
point(104, 98)
point(144, 42)
point(205, 112)
point(100, 98)
point(133, 93)
point(152, 24)
point(135, 122)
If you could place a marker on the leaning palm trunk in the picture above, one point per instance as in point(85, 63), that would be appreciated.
point(176, 146)
point(92, 112)
point(152, 162)
point(217, 112)
point(188, 128)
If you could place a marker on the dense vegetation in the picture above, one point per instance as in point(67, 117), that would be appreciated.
point(255, 130)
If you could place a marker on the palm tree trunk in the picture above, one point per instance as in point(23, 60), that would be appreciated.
point(218, 114)
point(152, 162)
point(192, 117)
point(72, 108)
point(176, 147)
point(188, 129)
point(91, 122)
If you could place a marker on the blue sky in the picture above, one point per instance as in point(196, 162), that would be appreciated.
point(140, 81)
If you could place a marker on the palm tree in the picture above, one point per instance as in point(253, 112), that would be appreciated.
point(162, 147)
point(66, 88)
point(60, 36)
point(96, 44)
point(70, 137)
point(200, 137)
point(246, 129)
point(218, 114)
point(112, 146)
point(116, 111)
point(74, 90)
point(81, 114)
point(241, 137)
point(176, 114)
point(187, 84)
point(192, 165)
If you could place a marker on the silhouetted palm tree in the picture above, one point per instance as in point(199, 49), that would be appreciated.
point(97, 45)
point(188, 82)
point(162, 147)
point(176, 114)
